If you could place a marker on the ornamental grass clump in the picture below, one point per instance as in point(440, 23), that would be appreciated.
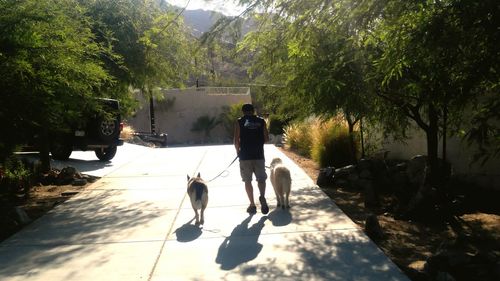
point(297, 137)
point(331, 144)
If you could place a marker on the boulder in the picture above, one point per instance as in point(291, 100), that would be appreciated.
point(365, 174)
point(444, 276)
point(416, 170)
point(369, 194)
point(353, 177)
point(21, 216)
point(325, 176)
point(364, 164)
point(344, 171)
point(79, 182)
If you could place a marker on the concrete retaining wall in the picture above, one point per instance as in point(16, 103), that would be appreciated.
point(178, 111)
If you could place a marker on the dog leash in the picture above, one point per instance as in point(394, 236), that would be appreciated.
point(225, 170)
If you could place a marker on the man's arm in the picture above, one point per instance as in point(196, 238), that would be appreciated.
point(236, 139)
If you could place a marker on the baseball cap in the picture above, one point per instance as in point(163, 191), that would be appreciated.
point(247, 107)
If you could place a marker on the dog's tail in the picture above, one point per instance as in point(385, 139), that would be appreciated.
point(199, 188)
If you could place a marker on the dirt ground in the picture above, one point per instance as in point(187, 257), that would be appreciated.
point(409, 244)
point(42, 199)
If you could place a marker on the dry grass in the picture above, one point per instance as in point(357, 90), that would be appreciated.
point(127, 133)
point(327, 142)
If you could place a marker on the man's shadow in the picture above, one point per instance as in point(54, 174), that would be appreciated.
point(241, 246)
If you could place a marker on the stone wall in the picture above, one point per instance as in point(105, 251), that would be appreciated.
point(180, 108)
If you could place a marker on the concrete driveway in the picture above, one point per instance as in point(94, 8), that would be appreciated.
point(136, 223)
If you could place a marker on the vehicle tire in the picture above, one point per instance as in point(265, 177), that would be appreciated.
point(108, 129)
point(61, 150)
point(106, 154)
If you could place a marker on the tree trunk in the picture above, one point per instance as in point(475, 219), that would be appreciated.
point(152, 113)
point(351, 124)
point(362, 140)
point(432, 144)
point(44, 150)
point(445, 129)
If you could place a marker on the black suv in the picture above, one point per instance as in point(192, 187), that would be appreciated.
point(99, 132)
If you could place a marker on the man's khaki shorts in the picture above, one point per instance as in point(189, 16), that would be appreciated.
point(249, 167)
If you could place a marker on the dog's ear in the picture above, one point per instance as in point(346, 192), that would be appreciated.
point(188, 177)
point(199, 175)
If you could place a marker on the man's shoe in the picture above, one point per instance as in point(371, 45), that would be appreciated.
point(252, 210)
point(263, 205)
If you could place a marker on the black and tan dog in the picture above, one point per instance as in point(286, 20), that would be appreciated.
point(198, 194)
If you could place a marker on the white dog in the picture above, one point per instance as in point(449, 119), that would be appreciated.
point(281, 181)
point(198, 194)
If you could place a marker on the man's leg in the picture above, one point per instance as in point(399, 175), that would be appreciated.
point(262, 198)
point(260, 174)
point(262, 188)
point(249, 189)
point(246, 171)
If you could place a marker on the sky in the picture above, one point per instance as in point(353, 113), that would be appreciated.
point(227, 7)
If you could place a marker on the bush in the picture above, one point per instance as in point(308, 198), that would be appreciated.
point(297, 137)
point(275, 125)
point(331, 144)
point(16, 177)
point(328, 142)
point(127, 133)
point(229, 116)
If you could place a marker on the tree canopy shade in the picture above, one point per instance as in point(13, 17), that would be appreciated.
point(49, 64)
point(394, 61)
point(152, 48)
point(56, 57)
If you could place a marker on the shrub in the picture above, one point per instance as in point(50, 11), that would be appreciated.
point(327, 142)
point(297, 137)
point(229, 116)
point(275, 125)
point(127, 133)
point(205, 124)
point(15, 177)
point(331, 144)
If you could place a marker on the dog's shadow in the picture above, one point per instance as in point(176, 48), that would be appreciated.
point(188, 232)
point(241, 246)
point(280, 217)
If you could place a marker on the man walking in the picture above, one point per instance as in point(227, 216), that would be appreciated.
point(250, 134)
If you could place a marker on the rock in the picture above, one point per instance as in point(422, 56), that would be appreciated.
point(352, 177)
point(79, 182)
point(372, 228)
point(66, 176)
point(345, 171)
point(68, 172)
point(416, 271)
point(21, 216)
point(364, 164)
point(325, 176)
point(343, 183)
point(365, 174)
point(458, 259)
point(444, 276)
point(417, 265)
point(69, 193)
point(435, 263)
point(416, 170)
point(369, 194)
point(416, 275)
point(402, 166)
